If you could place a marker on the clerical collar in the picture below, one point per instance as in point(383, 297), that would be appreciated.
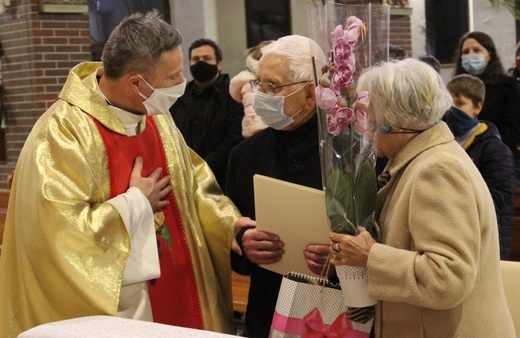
point(130, 121)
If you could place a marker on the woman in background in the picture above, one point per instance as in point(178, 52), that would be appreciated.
point(478, 56)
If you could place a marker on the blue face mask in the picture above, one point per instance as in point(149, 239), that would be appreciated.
point(474, 64)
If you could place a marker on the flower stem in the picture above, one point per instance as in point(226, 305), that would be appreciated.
point(353, 178)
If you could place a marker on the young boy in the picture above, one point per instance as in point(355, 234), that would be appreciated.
point(483, 144)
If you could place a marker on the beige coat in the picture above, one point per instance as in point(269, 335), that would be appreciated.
point(438, 272)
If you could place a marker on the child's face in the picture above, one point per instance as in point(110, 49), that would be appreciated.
point(466, 105)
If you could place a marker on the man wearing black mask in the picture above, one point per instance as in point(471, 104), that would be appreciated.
point(207, 116)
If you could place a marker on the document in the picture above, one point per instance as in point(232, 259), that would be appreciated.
point(296, 214)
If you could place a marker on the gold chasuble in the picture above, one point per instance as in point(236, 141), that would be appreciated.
point(174, 300)
point(65, 247)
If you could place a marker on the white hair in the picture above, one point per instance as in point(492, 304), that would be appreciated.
point(299, 50)
point(405, 92)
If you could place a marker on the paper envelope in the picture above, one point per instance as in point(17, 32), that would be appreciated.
point(296, 214)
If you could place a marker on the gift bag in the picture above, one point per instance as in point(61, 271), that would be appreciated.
point(313, 307)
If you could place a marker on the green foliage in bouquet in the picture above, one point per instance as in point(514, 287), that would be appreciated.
point(349, 163)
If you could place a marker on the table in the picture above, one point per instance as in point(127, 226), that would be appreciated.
point(113, 327)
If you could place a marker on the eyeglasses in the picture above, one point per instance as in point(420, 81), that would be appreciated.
point(269, 88)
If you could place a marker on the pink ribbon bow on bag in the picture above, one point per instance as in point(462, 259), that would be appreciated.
point(317, 329)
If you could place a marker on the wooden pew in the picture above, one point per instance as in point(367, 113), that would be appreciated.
point(240, 288)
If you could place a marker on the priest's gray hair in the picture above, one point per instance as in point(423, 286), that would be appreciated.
point(299, 50)
point(137, 43)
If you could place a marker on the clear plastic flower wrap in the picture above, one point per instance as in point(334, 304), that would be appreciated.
point(354, 37)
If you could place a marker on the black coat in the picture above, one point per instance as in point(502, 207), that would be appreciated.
point(291, 156)
point(495, 162)
point(502, 108)
point(210, 122)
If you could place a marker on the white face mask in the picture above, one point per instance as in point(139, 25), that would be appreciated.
point(271, 109)
point(162, 98)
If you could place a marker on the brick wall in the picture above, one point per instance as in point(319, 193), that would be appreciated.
point(400, 32)
point(40, 49)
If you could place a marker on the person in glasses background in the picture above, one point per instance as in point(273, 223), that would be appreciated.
point(208, 118)
point(287, 150)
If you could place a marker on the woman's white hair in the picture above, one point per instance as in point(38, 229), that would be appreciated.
point(406, 92)
point(299, 50)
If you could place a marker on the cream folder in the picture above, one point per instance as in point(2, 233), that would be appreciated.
point(296, 214)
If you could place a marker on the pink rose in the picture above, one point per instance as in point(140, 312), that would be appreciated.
point(326, 98)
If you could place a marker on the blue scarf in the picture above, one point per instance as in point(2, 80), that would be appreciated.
point(459, 122)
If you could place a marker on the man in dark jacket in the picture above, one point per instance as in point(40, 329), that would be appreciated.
point(288, 150)
point(207, 116)
point(482, 142)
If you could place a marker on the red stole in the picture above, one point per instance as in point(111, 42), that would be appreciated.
point(173, 296)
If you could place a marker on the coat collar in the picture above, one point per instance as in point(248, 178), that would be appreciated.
point(431, 137)
point(436, 135)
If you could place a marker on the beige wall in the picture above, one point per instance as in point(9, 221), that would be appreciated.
point(232, 34)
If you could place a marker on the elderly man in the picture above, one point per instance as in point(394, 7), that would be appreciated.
point(287, 150)
point(110, 212)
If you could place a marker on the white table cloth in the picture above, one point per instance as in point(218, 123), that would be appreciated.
point(113, 327)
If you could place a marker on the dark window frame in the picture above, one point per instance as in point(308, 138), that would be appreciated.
point(267, 20)
point(446, 22)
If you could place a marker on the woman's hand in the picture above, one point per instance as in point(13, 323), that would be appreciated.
point(351, 250)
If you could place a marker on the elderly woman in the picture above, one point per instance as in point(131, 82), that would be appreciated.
point(436, 271)
point(288, 150)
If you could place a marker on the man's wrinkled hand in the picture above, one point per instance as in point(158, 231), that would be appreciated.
point(241, 223)
point(262, 247)
point(316, 258)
